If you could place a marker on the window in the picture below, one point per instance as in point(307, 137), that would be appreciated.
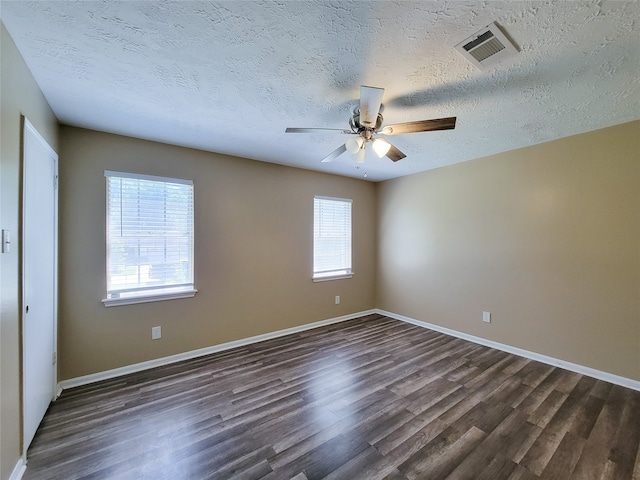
point(331, 238)
point(149, 238)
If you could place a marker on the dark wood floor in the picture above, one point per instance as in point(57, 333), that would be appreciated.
point(370, 398)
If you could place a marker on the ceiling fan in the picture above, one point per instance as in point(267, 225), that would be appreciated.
point(365, 124)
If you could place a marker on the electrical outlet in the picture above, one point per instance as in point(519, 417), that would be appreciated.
point(156, 333)
point(337, 299)
point(486, 317)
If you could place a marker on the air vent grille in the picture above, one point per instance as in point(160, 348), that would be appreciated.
point(487, 47)
point(485, 50)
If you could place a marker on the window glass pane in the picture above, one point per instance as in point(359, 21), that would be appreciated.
point(331, 236)
point(149, 235)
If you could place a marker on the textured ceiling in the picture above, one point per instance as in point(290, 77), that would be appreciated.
point(230, 76)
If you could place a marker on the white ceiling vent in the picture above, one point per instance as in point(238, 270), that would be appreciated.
point(487, 47)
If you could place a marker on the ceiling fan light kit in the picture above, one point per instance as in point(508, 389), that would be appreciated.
point(381, 147)
point(366, 122)
point(354, 144)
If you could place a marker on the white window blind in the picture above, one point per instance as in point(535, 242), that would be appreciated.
point(331, 237)
point(149, 235)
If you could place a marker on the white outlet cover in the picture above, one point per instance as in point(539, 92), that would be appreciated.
point(486, 317)
point(156, 333)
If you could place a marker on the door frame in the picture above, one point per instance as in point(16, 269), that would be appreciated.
point(28, 126)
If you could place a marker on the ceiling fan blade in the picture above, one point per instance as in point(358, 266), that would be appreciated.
point(335, 154)
point(316, 130)
point(370, 101)
point(395, 154)
point(420, 126)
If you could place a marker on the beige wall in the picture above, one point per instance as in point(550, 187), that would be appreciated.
point(19, 96)
point(546, 238)
point(253, 250)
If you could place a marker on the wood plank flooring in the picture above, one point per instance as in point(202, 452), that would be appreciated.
point(371, 398)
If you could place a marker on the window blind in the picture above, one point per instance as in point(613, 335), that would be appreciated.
point(331, 237)
point(149, 235)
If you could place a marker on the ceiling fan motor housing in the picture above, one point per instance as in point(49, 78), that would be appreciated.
point(363, 130)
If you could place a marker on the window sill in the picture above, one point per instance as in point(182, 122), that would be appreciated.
point(333, 277)
point(115, 302)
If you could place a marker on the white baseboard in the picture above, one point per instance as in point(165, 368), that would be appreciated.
point(590, 372)
point(58, 391)
point(137, 367)
point(19, 469)
point(158, 362)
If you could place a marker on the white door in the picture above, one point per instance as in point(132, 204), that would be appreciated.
point(39, 276)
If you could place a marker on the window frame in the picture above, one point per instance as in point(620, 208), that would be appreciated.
point(151, 293)
point(343, 273)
